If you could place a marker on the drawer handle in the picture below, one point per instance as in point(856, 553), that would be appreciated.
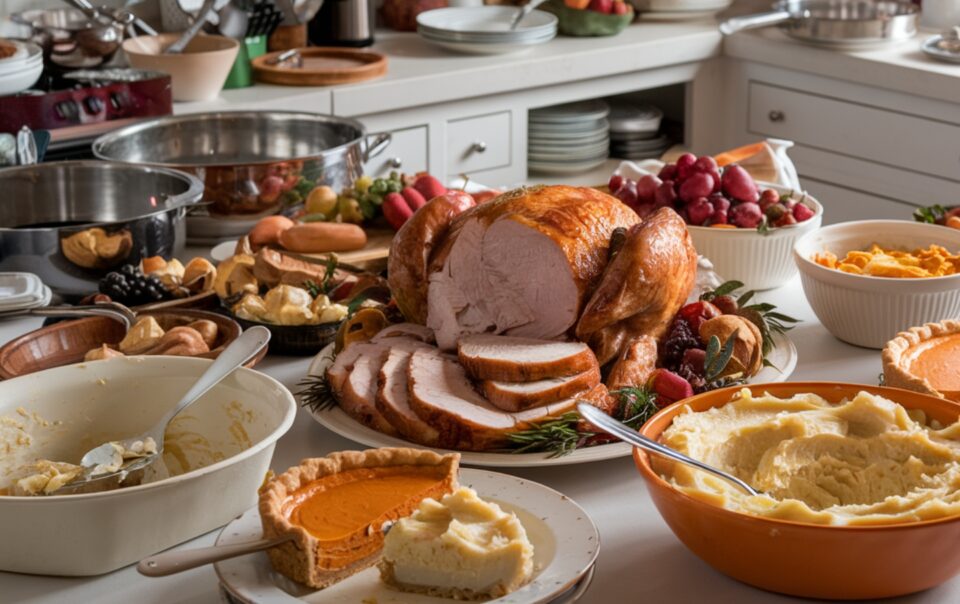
point(478, 147)
point(776, 116)
point(395, 163)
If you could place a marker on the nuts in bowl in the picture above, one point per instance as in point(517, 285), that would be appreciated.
point(850, 542)
point(867, 309)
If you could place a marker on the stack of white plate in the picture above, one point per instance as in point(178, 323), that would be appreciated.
point(22, 291)
point(485, 30)
point(568, 138)
point(635, 131)
point(21, 64)
point(678, 10)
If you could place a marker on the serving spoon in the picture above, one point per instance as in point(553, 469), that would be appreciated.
point(523, 11)
point(241, 350)
point(601, 420)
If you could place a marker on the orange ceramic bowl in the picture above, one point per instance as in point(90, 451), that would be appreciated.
point(814, 561)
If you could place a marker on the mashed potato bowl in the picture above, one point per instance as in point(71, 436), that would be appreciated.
point(798, 558)
point(216, 453)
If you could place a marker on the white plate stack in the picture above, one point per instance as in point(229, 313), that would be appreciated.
point(22, 291)
point(568, 138)
point(485, 30)
point(678, 10)
point(635, 132)
point(21, 64)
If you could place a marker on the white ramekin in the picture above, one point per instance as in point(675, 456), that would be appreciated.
point(869, 311)
point(94, 533)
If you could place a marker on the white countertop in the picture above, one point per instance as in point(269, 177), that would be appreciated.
point(640, 559)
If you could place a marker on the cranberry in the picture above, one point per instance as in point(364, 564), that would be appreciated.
point(699, 211)
point(616, 181)
point(802, 212)
point(685, 165)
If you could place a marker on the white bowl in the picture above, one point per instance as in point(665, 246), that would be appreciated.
point(21, 78)
point(228, 436)
point(869, 311)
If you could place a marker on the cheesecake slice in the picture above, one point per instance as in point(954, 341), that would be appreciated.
point(459, 547)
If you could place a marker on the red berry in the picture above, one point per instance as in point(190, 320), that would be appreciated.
point(696, 313)
point(647, 187)
point(668, 386)
point(644, 209)
point(715, 174)
point(718, 217)
point(785, 220)
point(668, 172)
point(737, 184)
point(719, 202)
point(620, 8)
point(699, 185)
point(746, 215)
point(616, 181)
point(774, 211)
point(665, 195)
point(699, 211)
point(727, 304)
point(695, 359)
point(685, 165)
point(802, 212)
point(769, 196)
point(705, 163)
point(628, 193)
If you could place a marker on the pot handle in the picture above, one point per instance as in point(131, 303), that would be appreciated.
point(735, 24)
point(381, 141)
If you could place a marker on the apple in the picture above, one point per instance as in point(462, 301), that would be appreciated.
point(620, 8)
point(602, 6)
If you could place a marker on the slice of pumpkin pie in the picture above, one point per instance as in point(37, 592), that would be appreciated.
point(333, 508)
point(925, 359)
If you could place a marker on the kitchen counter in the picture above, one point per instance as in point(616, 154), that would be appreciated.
point(639, 559)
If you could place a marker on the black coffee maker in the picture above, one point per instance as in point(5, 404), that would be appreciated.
point(343, 23)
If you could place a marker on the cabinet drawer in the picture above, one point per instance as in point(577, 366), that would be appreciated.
point(896, 139)
point(842, 204)
point(407, 151)
point(478, 143)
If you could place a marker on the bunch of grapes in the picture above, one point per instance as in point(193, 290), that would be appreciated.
point(704, 196)
point(131, 287)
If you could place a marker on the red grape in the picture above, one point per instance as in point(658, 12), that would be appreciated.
point(707, 164)
point(616, 181)
point(665, 195)
point(769, 196)
point(628, 193)
point(698, 185)
point(719, 217)
point(802, 212)
point(668, 172)
point(699, 211)
point(647, 188)
point(644, 209)
point(738, 184)
point(719, 202)
point(685, 165)
point(715, 174)
point(746, 215)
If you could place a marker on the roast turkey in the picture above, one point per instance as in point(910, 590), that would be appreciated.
point(522, 264)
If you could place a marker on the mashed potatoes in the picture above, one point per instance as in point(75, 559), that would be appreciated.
point(863, 461)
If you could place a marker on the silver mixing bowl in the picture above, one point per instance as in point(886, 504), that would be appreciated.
point(72, 222)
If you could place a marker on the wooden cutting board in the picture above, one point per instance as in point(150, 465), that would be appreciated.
point(372, 257)
point(321, 67)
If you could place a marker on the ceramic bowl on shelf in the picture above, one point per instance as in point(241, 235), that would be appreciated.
point(868, 311)
point(808, 560)
point(198, 73)
point(218, 452)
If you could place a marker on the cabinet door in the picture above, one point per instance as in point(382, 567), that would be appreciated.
point(841, 204)
point(478, 143)
point(407, 151)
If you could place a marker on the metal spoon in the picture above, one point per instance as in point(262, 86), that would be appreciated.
point(611, 426)
point(233, 356)
point(191, 32)
point(523, 11)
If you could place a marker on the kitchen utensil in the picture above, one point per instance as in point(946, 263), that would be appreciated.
point(121, 16)
point(110, 310)
point(320, 66)
point(599, 419)
point(26, 147)
point(171, 563)
point(233, 357)
point(342, 23)
point(197, 74)
point(69, 39)
point(227, 440)
point(868, 311)
point(523, 11)
point(180, 44)
point(835, 22)
point(233, 19)
point(141, 210)
point(838, 562)
point(236, 152)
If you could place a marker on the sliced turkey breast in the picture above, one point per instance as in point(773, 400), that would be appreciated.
point(512, 359)
point(517, 396)
point(405, 330)
point(522, 264)
point(340, 368)
point(359, 394)
point(393, 397)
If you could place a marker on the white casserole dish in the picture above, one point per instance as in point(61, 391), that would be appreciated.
point(868, 311)
point(233, 428)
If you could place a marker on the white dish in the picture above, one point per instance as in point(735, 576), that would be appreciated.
point(564, 539)
point(569, 153)
point(591, 126)
point(561, 168)
point(678, 6)
point(868, 311)
point(484, 48)
point(931, 49)
point(491, 21)
point(783, 359)
point(678, 15)
point(580, 111)
point(232, 429)
point(564, 138)
point(20, 290)
point(20, 80)
point(643, 119)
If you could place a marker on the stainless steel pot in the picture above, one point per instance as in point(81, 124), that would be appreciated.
point(835, 22)
point(72, 40)
point(250, 162)
point(71, 222)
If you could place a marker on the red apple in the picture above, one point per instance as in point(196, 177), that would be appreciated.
point(601, 6)
point(620, 8)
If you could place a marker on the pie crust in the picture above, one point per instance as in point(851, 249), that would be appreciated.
point(320, 563)
point(898, 357)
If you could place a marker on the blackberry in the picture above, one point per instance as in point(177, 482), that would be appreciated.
point(679, 339)
point(131, 287)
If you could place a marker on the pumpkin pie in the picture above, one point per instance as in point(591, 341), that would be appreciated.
point(925, 359)
point(333, 508)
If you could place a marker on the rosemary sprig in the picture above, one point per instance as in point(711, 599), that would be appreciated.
point(315, 392)
point(312, 287)
point(558, 437)
point(637, 405)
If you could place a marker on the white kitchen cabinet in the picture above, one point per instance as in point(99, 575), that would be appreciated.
point(842, 204)
point(408, 151)
point(478, 143)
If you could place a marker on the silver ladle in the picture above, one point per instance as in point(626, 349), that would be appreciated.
point(611, 426)
point(241, 350)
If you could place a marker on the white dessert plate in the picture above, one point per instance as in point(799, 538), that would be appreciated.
point(931, 49)
point(565, 543)
point(580, 111)
point(783, 358)
point(561, 168)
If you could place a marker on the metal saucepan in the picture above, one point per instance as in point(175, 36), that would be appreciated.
point(835, 22)
point(250, 162)
point(71, 39)
point(72, 222)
